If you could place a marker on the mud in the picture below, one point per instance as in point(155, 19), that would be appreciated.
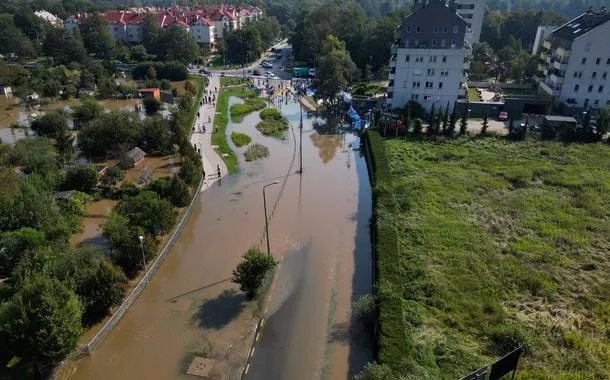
point(192, 308)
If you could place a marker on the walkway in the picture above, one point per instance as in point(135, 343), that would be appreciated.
point(203, 141)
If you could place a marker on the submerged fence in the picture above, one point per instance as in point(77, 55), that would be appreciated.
point(152, 269)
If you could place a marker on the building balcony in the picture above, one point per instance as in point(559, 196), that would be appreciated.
point(550, 89)
point(556, 79)
point(541, 67)
point(391, 75)
point(543, 56)
point(562, 52)
point(558, 65)
point(548, 59)
point(466, 65)
point(546, 44)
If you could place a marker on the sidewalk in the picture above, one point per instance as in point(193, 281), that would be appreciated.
point(203, 141)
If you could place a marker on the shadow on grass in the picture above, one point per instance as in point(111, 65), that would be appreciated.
point(217, 313)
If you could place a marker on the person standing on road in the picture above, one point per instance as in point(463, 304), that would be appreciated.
point(218, 170)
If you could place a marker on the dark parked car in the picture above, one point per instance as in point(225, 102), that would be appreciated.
point(256, 72)
point(204, 71)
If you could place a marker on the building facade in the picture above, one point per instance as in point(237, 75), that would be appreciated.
point(542, 32)
point(473, 12)
point(575, 62)
point(428, 58)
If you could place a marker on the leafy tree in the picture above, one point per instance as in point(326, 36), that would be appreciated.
point(156, 135)
point(335, 71)
point(178, 45)
point(97, 37)
point(148, 211)
point(64, 145)
point(180, 194)
point(138, 53)
point(151, 105)
point(250, 273)
point(35, 156)
point(417, 127)
point(452, 122)
point(51, 124)
point(88, 110)
point(81, 178)
point(42, 321)
point(126, 249)
point(547, 132)
point(190, 171)
point(244, 45)
point(114, 175)
point(12, 39)
point(16, 244)
point(445, 126)
point(464, 123)
point(484, 125)
point(109, 132)
point(64, 47)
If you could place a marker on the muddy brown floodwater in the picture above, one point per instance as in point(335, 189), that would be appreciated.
point(191, 308)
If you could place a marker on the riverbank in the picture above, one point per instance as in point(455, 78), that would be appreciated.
point(498, 243)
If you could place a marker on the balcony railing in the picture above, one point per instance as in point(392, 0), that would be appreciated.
point(550, 89)
point(563, 52)
point(546, 44)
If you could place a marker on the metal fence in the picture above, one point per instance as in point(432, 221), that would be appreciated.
point(133, 295)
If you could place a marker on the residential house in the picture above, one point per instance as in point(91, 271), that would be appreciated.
point(6, 91)
point(576, 63)
point(135, 156)
point(428, 57)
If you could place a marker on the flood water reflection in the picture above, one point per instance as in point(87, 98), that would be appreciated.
point(191, 308)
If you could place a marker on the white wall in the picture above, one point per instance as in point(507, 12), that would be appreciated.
point(413, 71)
point(474, 17)
point(592, 45)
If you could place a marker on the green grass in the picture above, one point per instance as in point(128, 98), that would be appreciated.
point(240, 139)
point(252, 103)
point(482, 244)
point(219, 136)
point(195, 107)
point(256, 152)
point(232, 81)
point(272, 123)
point(473, 95)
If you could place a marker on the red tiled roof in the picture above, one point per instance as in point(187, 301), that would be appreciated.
point(114, 16)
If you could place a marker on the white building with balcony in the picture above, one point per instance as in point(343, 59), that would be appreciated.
point(473, 12)
point(575, 62)
point(428, 58)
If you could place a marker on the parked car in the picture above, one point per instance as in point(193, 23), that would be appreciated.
point(535, 128)
point(204, 71)
point(267, 65)
point(503, 116)
point(256, 73)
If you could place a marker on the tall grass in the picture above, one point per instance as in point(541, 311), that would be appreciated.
point(240, 139)
point(498, 244)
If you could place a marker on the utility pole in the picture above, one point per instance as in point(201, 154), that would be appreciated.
point(301, 140)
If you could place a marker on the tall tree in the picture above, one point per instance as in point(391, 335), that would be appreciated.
point(97, 37)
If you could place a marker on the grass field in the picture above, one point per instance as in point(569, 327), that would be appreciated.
point(252, 103)
point(240, 139)
point(484, 244)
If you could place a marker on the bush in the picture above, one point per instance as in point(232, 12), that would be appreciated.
point(151, 105)
point(508, 336)
point(271, 113)
point(240, 139)
point(250, 273)
point(51, 124)
point(273, 127)
point(148, 211)
point(173, 71)
point(255, 152)
point(81, 178)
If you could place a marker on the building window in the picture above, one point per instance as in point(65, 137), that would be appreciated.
point(608, 61)
point(426, 97)
point(443, 42)
point(604, 75)
point(435, 29)
point(407, 58)
point(440, 84)
point(594, 74)
point(414, 97)
point(418, 29)
point(446, 29)
point(433, 43)
point(586, 103)
point(600, 89)
point(444, 73)
point(419, 59)
point(590, 88)
point(583, 61)
point(408, 28)
point(597, 61)
point(456, 29)
point(416, 42)
point(576, 88)
point(416, 84)
point(433, 59)
point(577, 74)
point(430, 72)
point(596, 102)
point(429, 84)
point(444, 59)
point(452, 43)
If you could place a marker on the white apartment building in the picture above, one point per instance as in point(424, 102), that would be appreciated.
point(203, 30)
point(542, 33)
point(428, 58)
point(473, 12)
point(576, 62)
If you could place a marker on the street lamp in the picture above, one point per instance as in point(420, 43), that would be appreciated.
point(265, 209)
point(141, 238)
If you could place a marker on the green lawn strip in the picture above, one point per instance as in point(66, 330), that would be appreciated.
point(473, 95)
point(256, 152)
point(252, 103)
point(482, 244)
point(219, 136)
point(240, 139)
point(273, 123)
point(232, 81)
point(195, 107)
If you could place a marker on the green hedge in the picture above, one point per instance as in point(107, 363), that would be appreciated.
point(395, 344)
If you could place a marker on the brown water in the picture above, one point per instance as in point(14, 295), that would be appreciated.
point(92, 224)
point(191, 307)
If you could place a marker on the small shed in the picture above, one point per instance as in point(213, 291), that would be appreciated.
point(136, 155)
point(6, 91)
point(557, 121)
point(150, 93)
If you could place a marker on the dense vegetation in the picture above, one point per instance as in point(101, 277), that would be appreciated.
point(273, 123)
point(240, 139)
point(256, 152)
point(483, 244)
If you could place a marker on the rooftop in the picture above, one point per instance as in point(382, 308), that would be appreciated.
point(582, 24)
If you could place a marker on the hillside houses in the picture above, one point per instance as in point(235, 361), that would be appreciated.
point(206, 23)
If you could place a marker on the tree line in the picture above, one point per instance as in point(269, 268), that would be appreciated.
point(52, 291)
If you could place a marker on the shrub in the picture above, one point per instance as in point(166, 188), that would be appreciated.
point(271, 113)
point(240, 139)
point(255, 152)
point(250, 273)
point(151, 105)
point(239, 111)
point(508, 336)
point(169, 70)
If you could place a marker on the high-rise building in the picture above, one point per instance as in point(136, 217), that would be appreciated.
point(575, 62)
point(472, 11)
point(428, 57)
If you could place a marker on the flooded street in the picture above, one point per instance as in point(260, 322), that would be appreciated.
point(318, 228)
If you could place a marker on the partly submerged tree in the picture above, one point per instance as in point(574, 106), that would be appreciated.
point(250, 273)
